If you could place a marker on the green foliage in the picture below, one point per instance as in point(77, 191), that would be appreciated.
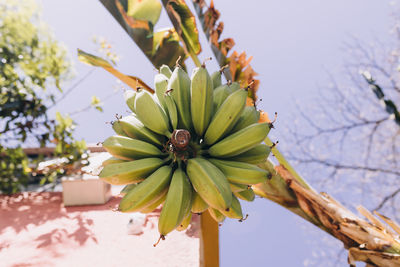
point(14, 170)
point(144, 10)
point(71, 154)
point(32, 66)
point(96, 103)
point(30, 61)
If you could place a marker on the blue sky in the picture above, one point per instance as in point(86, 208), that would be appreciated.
point(292, 42)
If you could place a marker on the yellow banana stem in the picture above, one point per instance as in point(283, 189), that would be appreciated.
point(281, 159)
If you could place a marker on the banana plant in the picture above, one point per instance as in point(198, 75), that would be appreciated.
point(374, 241)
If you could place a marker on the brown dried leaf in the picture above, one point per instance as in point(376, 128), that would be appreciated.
point(211, 16)
point(214, 36)
point(390, 222)
point(226, 45)
point(239, 68)
point(241, 71)
point(96, 61)
point(377, 258)
point(372, 219)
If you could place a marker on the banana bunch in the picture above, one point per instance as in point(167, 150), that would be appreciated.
point(193, 147)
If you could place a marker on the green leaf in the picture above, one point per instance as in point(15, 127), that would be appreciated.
point(138, 19)
point(185, 24)
point(96, 103)
point(149, 10)
point(141, 31)
point(166, 48)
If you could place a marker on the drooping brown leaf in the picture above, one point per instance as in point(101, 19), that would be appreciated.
point(131, 81)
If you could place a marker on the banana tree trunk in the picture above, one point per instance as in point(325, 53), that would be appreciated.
point(370, 240)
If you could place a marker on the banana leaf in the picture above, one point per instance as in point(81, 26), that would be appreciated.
point(138, 18)
point(185, 25)
point(131, 81)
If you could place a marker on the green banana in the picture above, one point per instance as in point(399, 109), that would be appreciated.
point(185, 223)
point(129, 96)
point(151, 113)
point(134, 128)
point(235, 210)
point(249, 116)
point(256, 155)
point(148, 191)
point(116, 125)
point(222, 92)
point(268, 166)
point(240, 141)
point(179, 88)
point(198, 204)
point(209, 182)
point(165, 100)
point(216, 215)
point(216, 78)
point(160, 85)
point(219, 96)
point(112, 160)
point(240, 172)
point(238, 187)
point(171, 110)
point(129, 172)
point(234, 86)
point(127, 148)
point(201, 104)
point(127, 188)
point(215, 158)
point(155, 205)
point(247, 195)
point(226, 117)
point(164, 69)
point(177, 204)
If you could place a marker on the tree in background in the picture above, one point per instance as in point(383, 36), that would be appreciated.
point(32, 67)
point(352, 131)
point(351, 134)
